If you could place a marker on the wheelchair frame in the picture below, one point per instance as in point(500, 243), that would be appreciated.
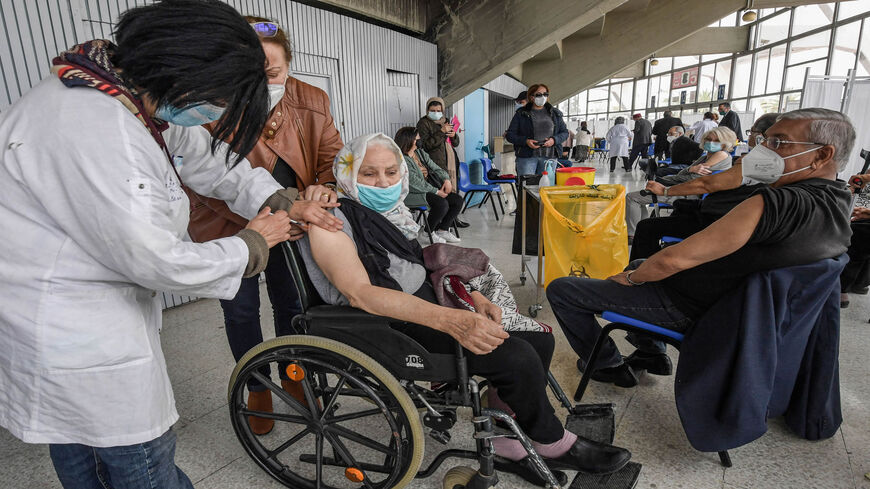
point(408, 362)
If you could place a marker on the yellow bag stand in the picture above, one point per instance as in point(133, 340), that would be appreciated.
point(584, 232)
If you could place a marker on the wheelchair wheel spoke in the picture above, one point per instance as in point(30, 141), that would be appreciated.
point(309, 392)
point(357, 415)
point(287, 444)
point(338, 385)
point(348, 459)
point(362, 440)
point(276, 416)
point(283, 395)
point(318, 454)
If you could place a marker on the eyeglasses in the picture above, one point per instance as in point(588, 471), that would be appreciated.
point(774, 142)
point(545, 94)
point(265, 29)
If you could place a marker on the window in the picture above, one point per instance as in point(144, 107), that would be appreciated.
point(714, 57)
point(772, 30)
point(627, 94)
point(809, 17)
point(809, 48)
point(776, 67)
point(742, 72)
point(864, 52)
point(764, 105)
point(640, 91)
point(794, 76)
point(851, 9)
point(707, 90)
point(845, 48)
point(683, 61)
point(759, 84)
point(791, 101)
point(723, 76)
point(663, 66)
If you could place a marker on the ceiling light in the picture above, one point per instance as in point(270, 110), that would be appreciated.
point(654, 62)
point(749, 16)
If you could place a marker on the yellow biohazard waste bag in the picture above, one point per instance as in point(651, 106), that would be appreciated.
point(584, 232)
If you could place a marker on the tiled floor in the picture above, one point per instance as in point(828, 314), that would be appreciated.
point(200, 364)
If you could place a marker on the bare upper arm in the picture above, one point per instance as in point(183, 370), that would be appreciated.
point(715, 158)
point(336, 255)
point(723, 237)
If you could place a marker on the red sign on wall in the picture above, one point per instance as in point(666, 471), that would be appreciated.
point(685, 78)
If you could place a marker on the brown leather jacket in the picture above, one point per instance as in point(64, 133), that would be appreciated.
point(300, 130)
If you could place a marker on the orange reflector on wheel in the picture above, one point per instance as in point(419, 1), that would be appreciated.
point(295, 372)
point(353, 474)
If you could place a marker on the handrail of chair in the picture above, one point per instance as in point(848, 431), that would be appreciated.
point(619, 318)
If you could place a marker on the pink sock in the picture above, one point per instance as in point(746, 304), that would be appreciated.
point(509, 448)
point(557, 448)
point(495, 402)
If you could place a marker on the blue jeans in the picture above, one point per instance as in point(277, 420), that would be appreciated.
point(531, 166)
point(575, 301)
point(149, 465)
point(242, 313)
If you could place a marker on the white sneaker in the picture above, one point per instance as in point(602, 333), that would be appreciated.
point(447, 236)
point(436, 238)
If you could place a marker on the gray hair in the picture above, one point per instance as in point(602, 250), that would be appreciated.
point(725, 136)
point(828, 127)
point(620, 120)
point(679, 129)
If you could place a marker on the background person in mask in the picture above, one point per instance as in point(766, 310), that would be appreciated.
point(684, 151)
point(801, 217)
point(297, 147)
point(438, 139)
point(730, 120)
point(94, 216)
point(583, 140)
point(537, 131)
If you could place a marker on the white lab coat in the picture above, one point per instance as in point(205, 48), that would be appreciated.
point(617, 140)
point(92, 219)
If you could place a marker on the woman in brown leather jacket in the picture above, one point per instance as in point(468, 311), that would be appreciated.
point(297, 146)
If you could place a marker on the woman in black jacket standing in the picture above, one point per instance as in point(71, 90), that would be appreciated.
point(537, 131)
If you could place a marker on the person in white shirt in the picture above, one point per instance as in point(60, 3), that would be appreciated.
point(701, 127)
point(618, 138)
point(583, 141)
point(93, 218)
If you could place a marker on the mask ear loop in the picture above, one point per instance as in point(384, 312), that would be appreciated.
point(798, 154)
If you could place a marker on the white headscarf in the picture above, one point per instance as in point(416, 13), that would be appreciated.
point(346, 168)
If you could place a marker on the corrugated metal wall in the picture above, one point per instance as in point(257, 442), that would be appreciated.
point(355, 55)
point(501, 111)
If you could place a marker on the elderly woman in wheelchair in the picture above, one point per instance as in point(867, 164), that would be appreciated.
point(368, 354)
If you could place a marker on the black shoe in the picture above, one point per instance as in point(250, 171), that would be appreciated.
point(654, 363)
point(591, 457)
point(844, 301)
point(526, 470)
point(859, 290)
point(620, 376)
point(461, 224)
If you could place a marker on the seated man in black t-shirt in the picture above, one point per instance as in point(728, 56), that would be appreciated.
point(800, 218)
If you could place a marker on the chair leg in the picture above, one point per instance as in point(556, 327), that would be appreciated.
point(500, 204)
point(724, 458)
point(485, 198)
point(590, 363)
point(493, 199)
point(467, 199)
point(426, 226)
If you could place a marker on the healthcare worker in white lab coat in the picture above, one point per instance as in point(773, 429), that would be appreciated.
point(618, 138)
point(93, 216)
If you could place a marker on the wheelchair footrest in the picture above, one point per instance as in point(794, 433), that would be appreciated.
point(624, 478)
point(526, 471)
point(593, 421)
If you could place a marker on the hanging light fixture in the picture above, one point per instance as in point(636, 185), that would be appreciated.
point(653, 61)
point(749, 15)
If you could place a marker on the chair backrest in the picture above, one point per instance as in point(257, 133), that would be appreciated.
point(464, 182)
point(308, 295)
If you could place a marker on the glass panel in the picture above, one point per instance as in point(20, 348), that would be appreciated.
point(598, 106)
point(759, 84)
point(563, 107)
point(664, 90)
point(581, 101)
point(764, 105)
point(845, 46)
point(864, 53)
point(738, 105)
point(713, 57)
point(640, 93)
point(772, 30)
point(794, 76)
point(740, 87)
point(792, 101)
point(663, 66)
point(809, 17)
point(573, 106)
point(810, 47)
point(683, 61)
point(627, 95)
point(850, 9)
point(776, 67)
point(707, 91)
point(597, 94)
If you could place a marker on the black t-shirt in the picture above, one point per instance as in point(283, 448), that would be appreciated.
point(804, 222)
point(283, 174)
point(718, 204)
point(684, 151)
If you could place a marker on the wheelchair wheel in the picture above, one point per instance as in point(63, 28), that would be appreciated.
point(315, 446)
point(457, 477)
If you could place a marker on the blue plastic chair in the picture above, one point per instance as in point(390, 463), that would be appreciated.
point(422, 212)
point(470, 189)
point(625, 323)
point(601, 150)
point(487, 165)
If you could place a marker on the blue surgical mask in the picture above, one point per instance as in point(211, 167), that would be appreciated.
point(712, 146)
point(435, 116)
point(379, 199)
point(192, 115)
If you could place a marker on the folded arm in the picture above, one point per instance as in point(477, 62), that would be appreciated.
point(726, 180)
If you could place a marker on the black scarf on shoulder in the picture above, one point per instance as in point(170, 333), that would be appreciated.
point(375, 237)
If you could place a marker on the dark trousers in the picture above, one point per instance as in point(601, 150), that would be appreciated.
point(575, 301)
point(443, 210)
point(613, 163)
point(857, 272)
point(517, 368)
point(242, 313)
point(650, 231)
point(636, 150)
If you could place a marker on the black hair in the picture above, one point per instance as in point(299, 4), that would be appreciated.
point(708, 115)
point(183, 52)
point(725, 104)
point(435, 102)
point(667, 113)
point(405, 137)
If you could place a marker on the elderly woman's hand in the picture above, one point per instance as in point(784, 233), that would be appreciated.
point(486, 307)
point(320, 193)
point(700, 170)
point(475, 332)
point(274, 228)
point(860, 213)
point(313, 212)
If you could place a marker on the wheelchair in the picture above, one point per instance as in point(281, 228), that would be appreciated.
point(353, 367)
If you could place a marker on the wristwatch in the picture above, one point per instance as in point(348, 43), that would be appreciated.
point(628, 278)
point(665, 192)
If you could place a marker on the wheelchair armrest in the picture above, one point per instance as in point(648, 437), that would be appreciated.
point(345, 317)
